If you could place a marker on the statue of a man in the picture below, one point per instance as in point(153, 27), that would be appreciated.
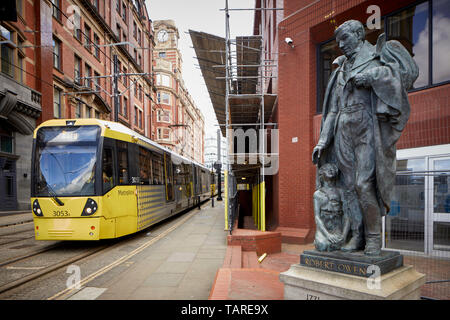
point(364, 112)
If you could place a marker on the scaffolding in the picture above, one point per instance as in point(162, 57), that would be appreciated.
point(236, 72)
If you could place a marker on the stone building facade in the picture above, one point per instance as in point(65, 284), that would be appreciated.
point(179, 124)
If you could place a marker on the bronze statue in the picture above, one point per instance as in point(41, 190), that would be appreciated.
point(365, 110)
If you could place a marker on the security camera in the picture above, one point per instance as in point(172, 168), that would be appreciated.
point(289, 41)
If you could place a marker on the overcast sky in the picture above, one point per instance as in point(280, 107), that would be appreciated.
point(203, 16)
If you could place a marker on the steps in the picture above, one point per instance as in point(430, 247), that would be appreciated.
point(295, 235)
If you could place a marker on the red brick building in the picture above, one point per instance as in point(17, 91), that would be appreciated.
point(57, 61)
point(179, 124)
point(86, 35)
point(419, 218)
point(21, 84)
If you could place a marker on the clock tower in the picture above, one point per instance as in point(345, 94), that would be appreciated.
point(167, 42)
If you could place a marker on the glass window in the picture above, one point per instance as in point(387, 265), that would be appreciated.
point(108, 169)
point(410, 28)
point(125, 107)
point(77, 70)
point(441, 236)
point(158, 169)
point(124, 12)
point(163, 80)
point(405, 223)
point(145, 166)
point(7, 56)
point(77, 25)
point(56, 53)
point(88, 81)
point(328, 53)
point(87, 37)
point(122, 158)
point(96, 81)
point(65, 161)
point(441, 40)
point(164, 134)
point(19, 7)
point(57, 9)
point(96, 48)
point(6, 144)
point(78, 110)
point(57, 103)
point(441, 179)
point(88, 113)
point(164, 116)
point(163, 97)
point(169, 172)
point(21, 62)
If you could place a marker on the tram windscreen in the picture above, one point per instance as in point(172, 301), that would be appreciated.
point(65, 161)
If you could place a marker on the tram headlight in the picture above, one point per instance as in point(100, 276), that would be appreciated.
point(90, 208)
point(37, 208)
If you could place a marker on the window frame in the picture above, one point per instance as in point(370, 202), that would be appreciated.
point(59, 102)
point(56, 9)
point(77, 62)
point(96, 46)
point(57, 44)
point(11, 46)
point(162, 114)
point(160, 134)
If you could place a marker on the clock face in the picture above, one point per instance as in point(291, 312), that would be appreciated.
point(163, 35)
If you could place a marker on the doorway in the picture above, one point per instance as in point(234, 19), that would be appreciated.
point(8, 188)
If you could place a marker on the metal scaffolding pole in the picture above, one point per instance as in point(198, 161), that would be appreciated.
point(262, 128)
point(264, 66)
point(227, 114)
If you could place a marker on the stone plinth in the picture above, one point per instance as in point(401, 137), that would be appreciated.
point(306, 283)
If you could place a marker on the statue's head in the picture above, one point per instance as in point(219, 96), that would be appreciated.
point(349, 36)
point(328, 172)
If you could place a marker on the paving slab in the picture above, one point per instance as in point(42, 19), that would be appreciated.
point(182, 265)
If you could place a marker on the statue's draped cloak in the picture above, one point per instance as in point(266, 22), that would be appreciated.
point(390, 82)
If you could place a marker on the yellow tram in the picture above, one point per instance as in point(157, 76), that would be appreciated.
point(95, 179)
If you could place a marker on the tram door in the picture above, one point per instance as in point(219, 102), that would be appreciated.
point(8, 194)
point(168, 167)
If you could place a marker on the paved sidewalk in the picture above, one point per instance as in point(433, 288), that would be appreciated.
point(182, 265)
point(12, 218)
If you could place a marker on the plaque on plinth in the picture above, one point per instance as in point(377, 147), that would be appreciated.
point(354, 263)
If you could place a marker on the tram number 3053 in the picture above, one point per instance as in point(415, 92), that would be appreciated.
point(61, 213)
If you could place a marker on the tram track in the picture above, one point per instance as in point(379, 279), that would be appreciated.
point(45, 270)
point(11, 237)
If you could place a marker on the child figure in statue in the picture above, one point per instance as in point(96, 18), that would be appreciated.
point(332, 224)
